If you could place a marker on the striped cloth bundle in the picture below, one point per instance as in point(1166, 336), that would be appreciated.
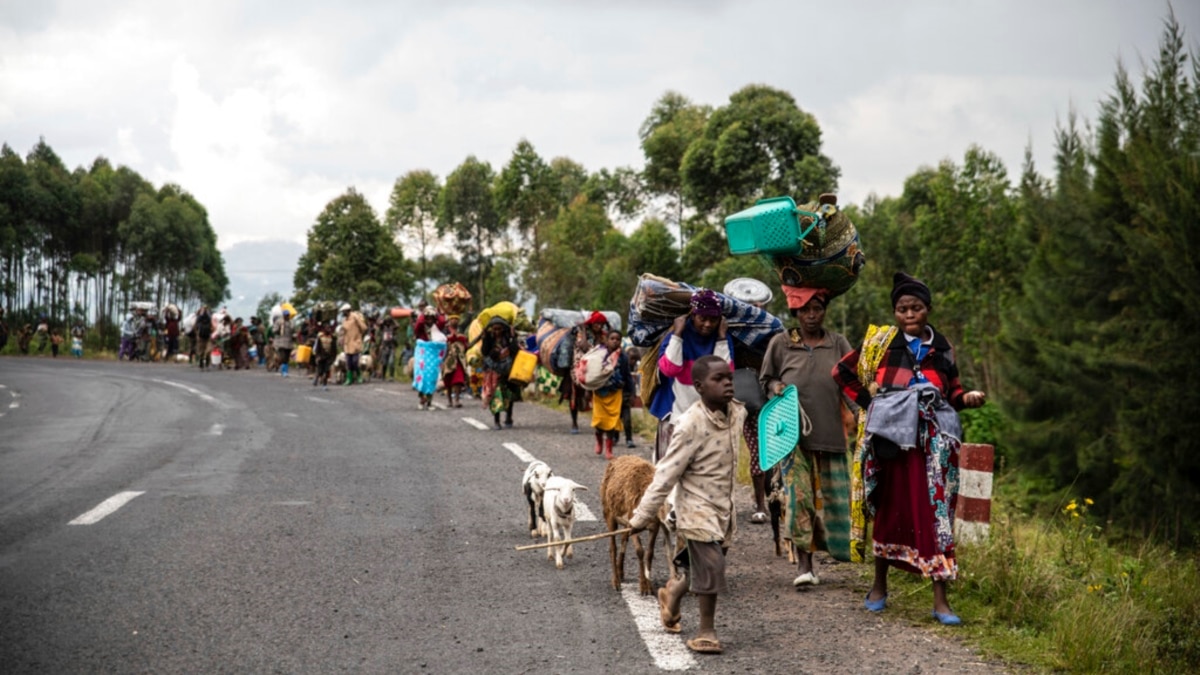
point(657, 302)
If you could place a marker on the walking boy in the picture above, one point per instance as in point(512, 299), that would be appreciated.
point(702, 460)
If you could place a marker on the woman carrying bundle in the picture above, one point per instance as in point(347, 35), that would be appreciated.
point(907, 379)
point(816, 474)
point(607, 400)
point(499, 348)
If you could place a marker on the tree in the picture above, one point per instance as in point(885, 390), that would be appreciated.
point(653, 250)
point(527, 202)
point(412, 215)
point(569, 179)
point(573, 257)
point(673, 125)
point(348, 246)
point(620, 192)
point(1107, 317)
point(759, 145)
point(468, 212)
point(268, 301)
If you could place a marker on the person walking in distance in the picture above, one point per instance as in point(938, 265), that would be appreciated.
point(203, 331)
point(354, 327)
point(284, 340)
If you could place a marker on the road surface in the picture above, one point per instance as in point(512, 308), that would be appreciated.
point(156, 519)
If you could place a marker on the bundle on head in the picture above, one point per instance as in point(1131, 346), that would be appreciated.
point(625, 480)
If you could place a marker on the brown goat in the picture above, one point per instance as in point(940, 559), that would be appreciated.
point(625, 480)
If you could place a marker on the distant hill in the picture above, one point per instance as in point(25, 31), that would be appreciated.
point(256, 268)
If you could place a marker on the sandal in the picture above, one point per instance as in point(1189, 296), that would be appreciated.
point(758, 518)
point(705, 646)
point(669, 623)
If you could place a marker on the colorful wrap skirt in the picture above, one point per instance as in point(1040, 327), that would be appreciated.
point(818, 507)
point(427, 365)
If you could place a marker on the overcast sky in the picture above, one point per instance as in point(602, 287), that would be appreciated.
point(267, 110)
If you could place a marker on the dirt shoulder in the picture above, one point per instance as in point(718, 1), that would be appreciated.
point(822, 629)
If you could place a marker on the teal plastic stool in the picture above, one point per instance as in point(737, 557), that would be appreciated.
point(778, 427)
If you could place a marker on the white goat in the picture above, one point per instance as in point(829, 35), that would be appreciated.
point(558, 502)
point(533, 484)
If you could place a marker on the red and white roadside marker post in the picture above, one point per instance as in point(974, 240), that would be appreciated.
point(973, 511)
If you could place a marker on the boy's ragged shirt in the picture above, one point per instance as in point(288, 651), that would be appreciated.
point(702, 460)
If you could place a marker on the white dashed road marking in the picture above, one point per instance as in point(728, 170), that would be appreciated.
point(521, 453)
point(105, 508)
point(14, 404)
point(476, 423)
point(668, 651)
point(216, 430)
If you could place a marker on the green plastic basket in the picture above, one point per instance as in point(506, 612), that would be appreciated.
point(778, 427)
point(771, 226)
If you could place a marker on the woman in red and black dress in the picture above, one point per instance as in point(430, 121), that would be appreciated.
point(910, 465)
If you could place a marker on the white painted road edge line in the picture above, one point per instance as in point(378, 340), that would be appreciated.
point(216, 430)
point(668, 650)
point(192, 390)
point(476, 423)
point(105, 508)
point(582, 512)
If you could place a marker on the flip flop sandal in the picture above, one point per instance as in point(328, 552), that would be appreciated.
point(669, 623)
point(758, 518)
point(705, 646)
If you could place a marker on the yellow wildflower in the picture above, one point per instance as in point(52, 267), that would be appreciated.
point(1088, 501)
point(1071, 507)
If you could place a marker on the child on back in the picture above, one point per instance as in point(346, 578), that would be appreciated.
point(702, 460)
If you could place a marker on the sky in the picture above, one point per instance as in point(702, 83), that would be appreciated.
point(265, 111)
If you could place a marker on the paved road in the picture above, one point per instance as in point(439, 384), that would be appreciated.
point(158, 519)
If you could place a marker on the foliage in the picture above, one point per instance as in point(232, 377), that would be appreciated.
point(268, 301)
point(82, 244)
point(1109, 315)
point(468, 212)
point(759, 145)
point(1055, 593)
point(412, 215)
point(573, 260)
point(673, 125)
point(351, 256)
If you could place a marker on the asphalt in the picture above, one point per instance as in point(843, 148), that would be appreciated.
point(281, 528)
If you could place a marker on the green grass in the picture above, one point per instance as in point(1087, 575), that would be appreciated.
point(1056, 595)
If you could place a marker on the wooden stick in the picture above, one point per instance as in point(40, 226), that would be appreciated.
point(564, 542)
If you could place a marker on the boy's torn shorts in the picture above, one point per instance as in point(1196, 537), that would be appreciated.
point(704, 563)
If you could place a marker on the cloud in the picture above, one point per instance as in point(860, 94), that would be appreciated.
point(883, 135)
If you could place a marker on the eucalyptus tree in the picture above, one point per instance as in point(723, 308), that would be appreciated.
point(468, 213)
point(412, 215)
point(570, 179)
point(674, 123)
point(527, 202)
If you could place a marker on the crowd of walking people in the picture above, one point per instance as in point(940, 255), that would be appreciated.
point(881, 433)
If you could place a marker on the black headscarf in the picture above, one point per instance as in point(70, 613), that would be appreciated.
point(905, 284)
